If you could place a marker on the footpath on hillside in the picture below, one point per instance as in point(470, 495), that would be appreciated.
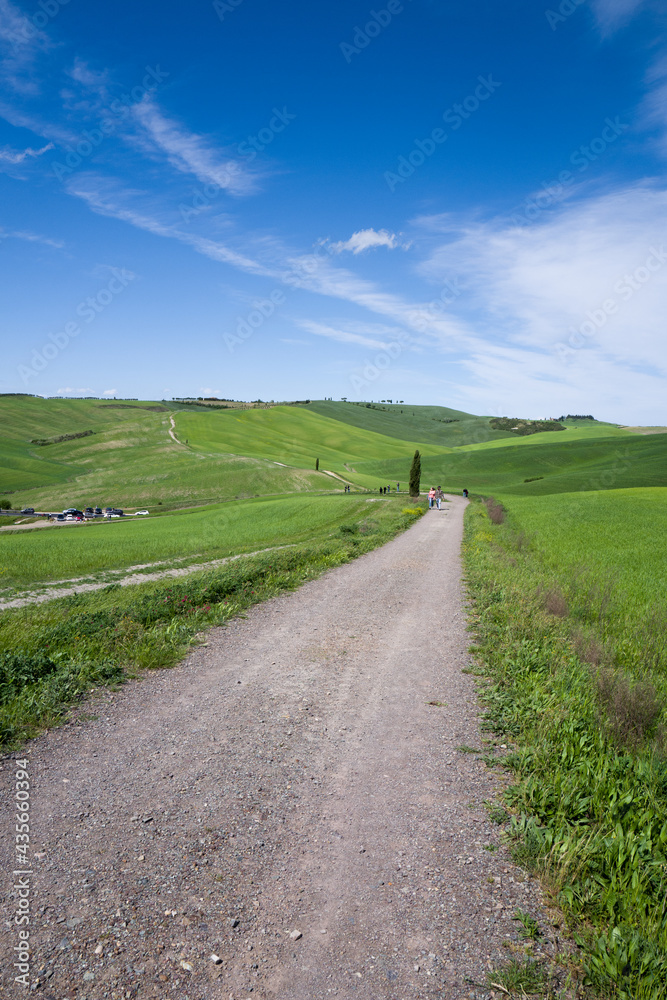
point(292, 812)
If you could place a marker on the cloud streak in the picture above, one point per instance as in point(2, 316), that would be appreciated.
point(29, 237)
point(342, 336)
point(366, 239)
point(188, 152)
point(14, 156)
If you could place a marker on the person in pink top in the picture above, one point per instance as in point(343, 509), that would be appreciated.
point(431, 496)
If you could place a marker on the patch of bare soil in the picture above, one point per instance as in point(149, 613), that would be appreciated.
point(286, 814)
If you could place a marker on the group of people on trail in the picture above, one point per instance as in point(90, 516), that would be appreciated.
point(387, 489)
point(435, 496)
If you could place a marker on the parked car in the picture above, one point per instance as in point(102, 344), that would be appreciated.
point(28, 510)
point(73, 510)
point(60, 517)
point(140, 513)
point(98, 510)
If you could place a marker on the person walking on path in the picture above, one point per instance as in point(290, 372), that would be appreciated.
point(439, 496)
point(398, 485)
point(431, 496)
point(465, 494)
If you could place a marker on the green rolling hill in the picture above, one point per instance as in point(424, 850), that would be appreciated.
point(131, 459)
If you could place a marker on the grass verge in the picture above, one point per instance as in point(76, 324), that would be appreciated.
point(53, 654)
point(589, 801)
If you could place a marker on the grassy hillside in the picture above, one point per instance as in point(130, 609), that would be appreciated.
point(429, 424)
point(130, 460)
point(559, 462)
point(293, 435)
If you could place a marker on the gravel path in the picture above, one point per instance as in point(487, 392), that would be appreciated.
point(285, 799)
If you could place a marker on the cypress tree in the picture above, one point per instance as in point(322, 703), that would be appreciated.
point(415, 474)
point(317, 465)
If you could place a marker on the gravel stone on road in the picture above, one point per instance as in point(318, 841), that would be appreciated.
point(285, 814)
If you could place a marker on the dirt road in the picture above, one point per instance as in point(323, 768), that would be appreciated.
point(286, 800)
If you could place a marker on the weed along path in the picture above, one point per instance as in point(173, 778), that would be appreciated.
point(292, 812)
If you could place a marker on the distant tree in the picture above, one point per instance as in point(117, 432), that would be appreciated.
point(317, 465)
point(415, 474)
point(5, 505)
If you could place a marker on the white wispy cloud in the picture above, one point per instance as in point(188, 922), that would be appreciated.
point(110, 392)
point(104, 198)
point(16, 156)
point(571, 305)
point(538, 282)
point(320, 276)
point(37, 125)
point(20, 44)
point(308, 272)
point(91, 79)
point(366, 239)
point(613, 14)
point(341, 335)
point(29, 237)
point(188, 152)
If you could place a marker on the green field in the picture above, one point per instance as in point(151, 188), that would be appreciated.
point(606, 548)
point(570, 614)
point(211, 532)
point(565, 571)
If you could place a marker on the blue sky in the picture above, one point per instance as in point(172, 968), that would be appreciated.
point(431, 200)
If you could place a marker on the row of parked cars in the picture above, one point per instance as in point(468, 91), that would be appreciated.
point(89, 513)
